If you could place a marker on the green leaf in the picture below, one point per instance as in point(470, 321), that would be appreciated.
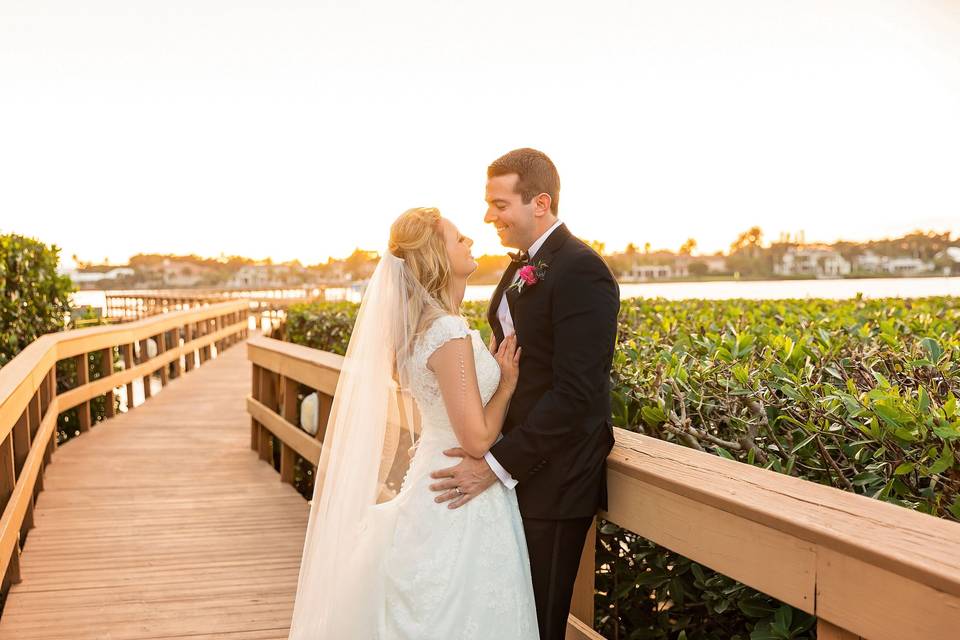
point(783, 617)
point(740, 373)
point(932, 348)
point(904, 469)
point(882, 381)
point(755, 607)
point(944, 462)
point(924, 400)
point(947, 432)
point(955, 508)
point(950, 408)
point(653, 416)
point(723, 452)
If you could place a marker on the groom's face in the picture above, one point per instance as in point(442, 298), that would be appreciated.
point(514, 221)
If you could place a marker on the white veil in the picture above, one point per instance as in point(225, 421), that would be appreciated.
point(362, 462)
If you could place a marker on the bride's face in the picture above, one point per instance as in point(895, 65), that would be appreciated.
point(458, 250)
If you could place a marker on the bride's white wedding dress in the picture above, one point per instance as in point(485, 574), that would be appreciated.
point(441, 573)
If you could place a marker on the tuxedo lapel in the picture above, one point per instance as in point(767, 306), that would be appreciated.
point(550, 247)
point(544, 255)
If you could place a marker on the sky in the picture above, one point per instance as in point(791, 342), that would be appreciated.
point(295, 129)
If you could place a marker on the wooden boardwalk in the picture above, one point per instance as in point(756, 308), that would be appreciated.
point(163, 523)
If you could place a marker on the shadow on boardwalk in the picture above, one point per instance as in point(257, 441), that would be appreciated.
point(163, 523)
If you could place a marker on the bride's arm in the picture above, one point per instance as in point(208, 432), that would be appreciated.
point(476, 426)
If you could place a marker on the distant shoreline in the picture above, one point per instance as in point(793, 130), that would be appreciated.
point(770, 278)
point(494, 280)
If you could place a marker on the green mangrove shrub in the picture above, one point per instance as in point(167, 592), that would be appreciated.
point(856, 394)
point(34, 298)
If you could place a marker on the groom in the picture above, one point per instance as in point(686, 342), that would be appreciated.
point(558, 430)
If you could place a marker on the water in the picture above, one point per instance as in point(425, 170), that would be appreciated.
point(776, 289)
point(716, 290)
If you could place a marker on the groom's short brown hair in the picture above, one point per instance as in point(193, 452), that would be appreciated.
point(536, 174)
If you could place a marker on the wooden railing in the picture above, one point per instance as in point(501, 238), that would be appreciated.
point(866, 568)
point(30, 405)
point(267, 305)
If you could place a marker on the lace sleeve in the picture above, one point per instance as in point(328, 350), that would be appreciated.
point(443, 329)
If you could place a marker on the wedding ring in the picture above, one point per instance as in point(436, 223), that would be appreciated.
point(459, 493)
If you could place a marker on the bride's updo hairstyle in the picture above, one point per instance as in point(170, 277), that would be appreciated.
point(417, 237)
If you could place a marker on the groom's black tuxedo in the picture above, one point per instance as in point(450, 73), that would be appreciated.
point(558, 430)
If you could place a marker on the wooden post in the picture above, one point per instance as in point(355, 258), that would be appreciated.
point(34, 416)
point(581, 604)
point(268, 396)
point(255, 393)
point(827, 631)
point(161, 339)
point(188, 336)
point(8, 480)
point(33, 409)
point(324, 404)
point(20, 442)
point(207, 351)
point(106, 370)
point(227, 322)
point(128, 364)
point(177, 367)
point(201, 350)
point(50, 382)
point(83, 377)
point(144, 356)
point(291, 413)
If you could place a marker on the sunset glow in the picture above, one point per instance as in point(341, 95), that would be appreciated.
point(300, 130)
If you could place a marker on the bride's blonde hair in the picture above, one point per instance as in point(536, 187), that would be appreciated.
point(417, 237)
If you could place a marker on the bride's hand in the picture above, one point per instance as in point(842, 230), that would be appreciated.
point(508, 357)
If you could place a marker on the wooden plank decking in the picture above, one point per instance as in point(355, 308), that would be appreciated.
point(163, 523)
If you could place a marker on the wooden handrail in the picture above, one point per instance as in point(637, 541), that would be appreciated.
point(30, 405)
point(874, 569)
point(278, 369)
point(865, 568)
point(268, 306)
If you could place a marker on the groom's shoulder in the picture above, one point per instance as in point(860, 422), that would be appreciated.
point(581, 256)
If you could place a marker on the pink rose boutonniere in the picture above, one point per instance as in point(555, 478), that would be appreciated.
point(529, 275)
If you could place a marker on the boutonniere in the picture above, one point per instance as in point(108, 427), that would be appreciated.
point(529, 275)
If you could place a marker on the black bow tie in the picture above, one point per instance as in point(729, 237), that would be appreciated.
point(518, 256)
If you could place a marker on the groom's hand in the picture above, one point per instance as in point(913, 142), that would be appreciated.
point(472, 475)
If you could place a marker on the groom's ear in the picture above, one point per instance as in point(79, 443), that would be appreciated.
point(541, 204)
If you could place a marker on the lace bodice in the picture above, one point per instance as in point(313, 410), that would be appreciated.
point(423, 382)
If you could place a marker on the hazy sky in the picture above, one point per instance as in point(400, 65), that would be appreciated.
point(302, 129)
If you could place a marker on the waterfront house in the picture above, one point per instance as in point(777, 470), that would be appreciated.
point(812, 261)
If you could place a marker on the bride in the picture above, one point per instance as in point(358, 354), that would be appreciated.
point(380, 564)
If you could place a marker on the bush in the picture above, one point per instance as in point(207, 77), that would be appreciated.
point(34, 298)
point(855, 394)
point(321, 325)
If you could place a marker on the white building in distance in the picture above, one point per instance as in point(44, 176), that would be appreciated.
point(81, 277)
point(812, 261)
point(870, 262)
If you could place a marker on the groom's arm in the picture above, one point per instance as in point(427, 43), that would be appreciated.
point(502, 474)
point(584, 333)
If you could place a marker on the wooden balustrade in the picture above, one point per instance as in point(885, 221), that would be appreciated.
point(867, 569)
point(279, 368)
point(267, 306)
point(30, 404)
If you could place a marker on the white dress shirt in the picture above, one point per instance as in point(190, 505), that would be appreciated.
point(506, 321)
